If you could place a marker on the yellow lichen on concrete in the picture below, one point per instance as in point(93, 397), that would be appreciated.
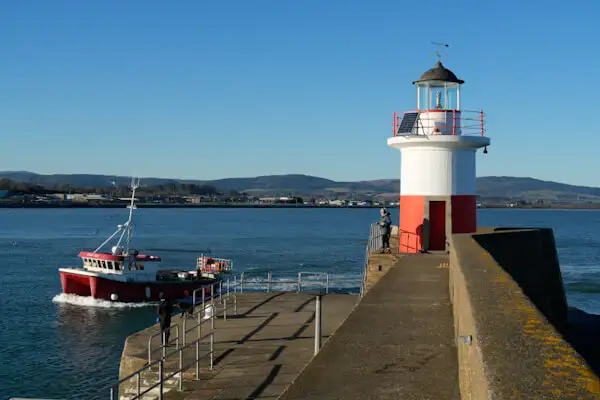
point(561, 360)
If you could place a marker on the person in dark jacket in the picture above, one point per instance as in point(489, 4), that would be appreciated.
point(164, 311)
point(386, 229)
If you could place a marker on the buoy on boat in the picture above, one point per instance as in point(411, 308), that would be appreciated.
point(114, 297)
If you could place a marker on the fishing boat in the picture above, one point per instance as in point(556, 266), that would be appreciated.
point(126, 275)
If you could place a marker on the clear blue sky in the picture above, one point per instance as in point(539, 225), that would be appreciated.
point(211, 89)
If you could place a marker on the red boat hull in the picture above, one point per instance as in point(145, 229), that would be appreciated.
point(99, 287)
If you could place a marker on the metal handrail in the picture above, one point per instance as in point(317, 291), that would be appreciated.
point(475, 128)
point(161, 376)
point(269, 281)
point(163, 344)
point(199, 314)
point(223, 297)
point(318, 274)
point(375, 243)
point(114, 393)
point(407, 243)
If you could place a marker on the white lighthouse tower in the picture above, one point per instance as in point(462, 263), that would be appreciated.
point(437, 142)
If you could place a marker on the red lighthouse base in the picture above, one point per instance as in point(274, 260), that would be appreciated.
point(426, 222)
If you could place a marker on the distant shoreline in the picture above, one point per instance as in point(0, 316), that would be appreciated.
point(163, 205)
point(154, 205)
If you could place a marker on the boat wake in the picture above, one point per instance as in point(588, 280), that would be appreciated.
point(88, 301)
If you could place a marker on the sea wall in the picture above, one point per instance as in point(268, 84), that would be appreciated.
point(510, 311)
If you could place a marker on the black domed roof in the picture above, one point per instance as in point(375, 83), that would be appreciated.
point(439, 73)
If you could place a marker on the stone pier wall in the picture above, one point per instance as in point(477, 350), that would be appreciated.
point(510, 313)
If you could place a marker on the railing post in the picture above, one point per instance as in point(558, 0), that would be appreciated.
point(224, 309)
point(161, 375)
point(193, 301)
point(454, 122)
point(181, 369)
point(212, 306)
point(112, 393)
point(394, 124)
point(198, 358)
point(299, 281)
point(228, 288)
point(269, 278)
point(234, 305)
point(235, 286)
point(199, 320)
point(164, 344)
point(481, 121)
point(139, 384)
point(317, 324)
point(242, 282)
point(212, 350)
point(184, 330)
point(327, 283)
point(220, 292)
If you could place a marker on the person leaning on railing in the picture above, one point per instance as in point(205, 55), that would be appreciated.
point(386, 228)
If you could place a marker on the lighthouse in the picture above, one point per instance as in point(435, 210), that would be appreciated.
point(438, 142)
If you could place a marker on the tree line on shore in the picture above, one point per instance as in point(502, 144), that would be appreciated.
point(171, 189)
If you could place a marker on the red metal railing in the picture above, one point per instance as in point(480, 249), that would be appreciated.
point(409, 242)
point(452, 122)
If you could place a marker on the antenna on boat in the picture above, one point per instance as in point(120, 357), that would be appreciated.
point(129, 225)
point(439, 53)
point(126, 228)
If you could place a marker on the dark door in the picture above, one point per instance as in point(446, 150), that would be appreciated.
point(437, 225)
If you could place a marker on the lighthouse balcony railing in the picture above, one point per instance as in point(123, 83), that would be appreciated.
point(439, 122)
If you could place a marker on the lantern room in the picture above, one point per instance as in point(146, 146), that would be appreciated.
point(438, 89)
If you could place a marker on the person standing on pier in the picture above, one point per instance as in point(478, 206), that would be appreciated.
point(164, 311)
point(386, 230)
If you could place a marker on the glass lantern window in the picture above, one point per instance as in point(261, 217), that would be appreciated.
point(438, 96)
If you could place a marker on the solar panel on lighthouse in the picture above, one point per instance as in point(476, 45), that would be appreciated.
point(408, 122)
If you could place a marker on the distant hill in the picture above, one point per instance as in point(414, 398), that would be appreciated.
point(489, 187)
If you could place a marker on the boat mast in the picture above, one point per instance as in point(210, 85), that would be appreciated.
point(129, 225)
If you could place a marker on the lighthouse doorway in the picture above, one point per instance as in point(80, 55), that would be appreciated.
point(437, 225)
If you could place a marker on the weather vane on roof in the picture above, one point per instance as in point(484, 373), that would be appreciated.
point(439, 53)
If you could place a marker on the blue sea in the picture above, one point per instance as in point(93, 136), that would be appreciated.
point(57, 346)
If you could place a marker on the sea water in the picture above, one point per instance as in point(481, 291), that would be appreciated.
point(63, 346)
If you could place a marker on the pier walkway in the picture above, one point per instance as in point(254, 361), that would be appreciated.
point(259, 352)
point(428, 326)
point(397, 344)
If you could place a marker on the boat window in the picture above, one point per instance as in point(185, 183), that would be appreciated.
point(103, 264)
point(117, 266)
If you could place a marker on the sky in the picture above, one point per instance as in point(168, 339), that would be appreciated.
point(236, 88)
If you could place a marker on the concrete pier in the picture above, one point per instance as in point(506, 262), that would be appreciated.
point(397, 344)
point(258, 353)
point(488, 320)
